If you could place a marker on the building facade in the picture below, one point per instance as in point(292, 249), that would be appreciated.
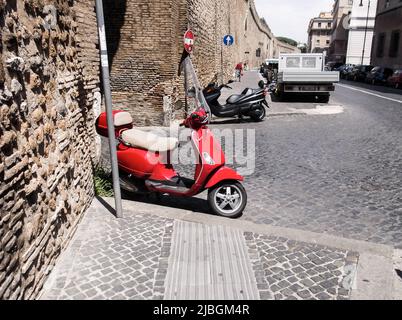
point(145, 39)
point(319, 33)
point(340, 30)
point(387, 44)
point(361, 32)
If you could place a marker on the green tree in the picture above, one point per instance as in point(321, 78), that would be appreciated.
point(288, 41)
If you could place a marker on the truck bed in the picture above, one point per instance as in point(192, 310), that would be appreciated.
point(308, 77)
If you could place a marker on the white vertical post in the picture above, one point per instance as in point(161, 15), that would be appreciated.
point(108, 100)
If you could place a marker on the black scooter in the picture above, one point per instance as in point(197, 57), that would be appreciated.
point(250, 103)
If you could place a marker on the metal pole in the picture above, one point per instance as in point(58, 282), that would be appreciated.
point(222, 80)
point(365, 32)
point(108, 100)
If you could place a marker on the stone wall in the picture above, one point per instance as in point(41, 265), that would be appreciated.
point(145, 39)
point(49, 86)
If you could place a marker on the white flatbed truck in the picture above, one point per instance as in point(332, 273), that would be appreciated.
point(304, 74)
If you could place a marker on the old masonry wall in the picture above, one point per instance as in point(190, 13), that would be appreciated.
point(49, 91)
point(145, 39)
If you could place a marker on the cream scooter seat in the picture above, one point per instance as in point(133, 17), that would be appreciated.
point(149, 141)
point(143, 139)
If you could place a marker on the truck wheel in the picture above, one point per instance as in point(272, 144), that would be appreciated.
point(228, 199)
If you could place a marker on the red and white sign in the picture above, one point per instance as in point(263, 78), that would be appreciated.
point(189, 41)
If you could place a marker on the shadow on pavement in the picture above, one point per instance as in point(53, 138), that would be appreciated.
point(188, 204)
point(107, 206)
point(295, 98)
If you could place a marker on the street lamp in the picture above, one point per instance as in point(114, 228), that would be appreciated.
point(365, 30)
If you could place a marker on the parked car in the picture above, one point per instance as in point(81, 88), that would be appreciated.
point(395, 80)
point(346, 70)
point(379, 75)
point(336, 66)
point(351, 72)
point(341, 68)
point(332, 66)
point(359, 73)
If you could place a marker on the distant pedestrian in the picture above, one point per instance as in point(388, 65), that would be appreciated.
point(239, 71)
point(270, 74)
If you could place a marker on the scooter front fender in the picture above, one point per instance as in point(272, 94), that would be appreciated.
point(223, 174)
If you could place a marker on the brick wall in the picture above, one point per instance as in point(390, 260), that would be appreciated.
point(49, 86)
point(145, 39)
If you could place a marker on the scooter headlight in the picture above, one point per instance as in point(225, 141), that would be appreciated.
point(208, 159)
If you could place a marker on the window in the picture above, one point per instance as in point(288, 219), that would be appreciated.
point(292, 62)
point(319, 24)
point(309, 62)
point(258, 53)
point(380, 45)
point(328, 41)
point(329, 24)
point(394, 46)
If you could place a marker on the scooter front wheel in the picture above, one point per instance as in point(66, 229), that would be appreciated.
point(228, 199)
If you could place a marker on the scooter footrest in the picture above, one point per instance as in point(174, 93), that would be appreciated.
point(179, 186)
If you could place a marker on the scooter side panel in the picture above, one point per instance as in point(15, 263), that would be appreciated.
point(211, 154)
point(138, 162)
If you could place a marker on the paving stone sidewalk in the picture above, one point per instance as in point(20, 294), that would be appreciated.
point(145, 256)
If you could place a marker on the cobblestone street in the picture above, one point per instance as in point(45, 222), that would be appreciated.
point(338, 174)
point(335, 174)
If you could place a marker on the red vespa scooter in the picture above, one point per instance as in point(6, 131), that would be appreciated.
point(145, 164)
point(143, 160)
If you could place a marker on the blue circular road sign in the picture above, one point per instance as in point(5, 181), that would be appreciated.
point(228, 40)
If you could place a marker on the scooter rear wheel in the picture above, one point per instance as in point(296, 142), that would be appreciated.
point(259, 116)
point(228, 199)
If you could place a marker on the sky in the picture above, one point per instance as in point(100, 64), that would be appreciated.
point(290, 18)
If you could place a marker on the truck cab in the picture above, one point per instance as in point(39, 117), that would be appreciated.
point(304, 74)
